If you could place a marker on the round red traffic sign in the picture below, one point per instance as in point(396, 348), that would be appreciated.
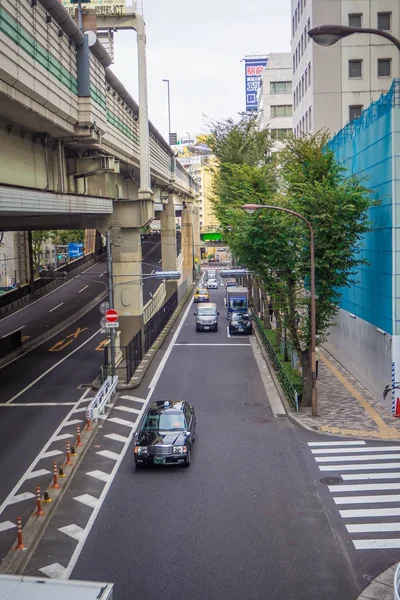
point(111, 316)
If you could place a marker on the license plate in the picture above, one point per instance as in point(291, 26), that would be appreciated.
point(159, 461)
point(206, 328)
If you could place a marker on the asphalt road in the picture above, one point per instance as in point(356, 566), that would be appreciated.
point(56, 306)
point(247, 520)
point(37, 392)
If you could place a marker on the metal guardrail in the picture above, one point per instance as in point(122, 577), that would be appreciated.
point(396, 582)
point(97, 405)
point(283, 378)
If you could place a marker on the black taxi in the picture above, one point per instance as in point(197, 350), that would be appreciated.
point(167, 434)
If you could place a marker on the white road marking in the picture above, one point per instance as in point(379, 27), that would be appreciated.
point(84, 288)
point(99, 475)
point(14, 330)
point(63, 436)
point(54, 571)
point(133, 398)
point(121, 421)
point(21, 497)
point(367, 499)
point(108, 454)
point(227, 331)
point(355, 450)
point(376, 544)
point(349, 458)
point(360, 467)
point(50, 453)
point(73, 422)
point(78, 410)
point(364, 487)
point(230, 345)
point(57, 364)
point(58, 306)
point(39, 404)
point(153, 271)
point(37, 459)
point(87, 499)
point(128, 409)
point(116, 437)
point(360, 513)
point(101, 274)
point(160, 261)
point(366, 476)
point(372, 527)
point(348, 443)
point(73, 531)
point(5, 525)
point(38, 473)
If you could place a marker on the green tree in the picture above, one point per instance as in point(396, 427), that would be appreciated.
point(276, 246)
point(39, 237)
point(66, 236)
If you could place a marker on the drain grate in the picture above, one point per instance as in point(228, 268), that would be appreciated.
point(331, 480)
point(258, 420)
point(252, 404)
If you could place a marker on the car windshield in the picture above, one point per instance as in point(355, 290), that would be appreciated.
point(240, 317)
point(209, 312)
point(202, 292)
point(238, 303)
point(164, 422)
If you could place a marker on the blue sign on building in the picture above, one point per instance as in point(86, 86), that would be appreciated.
point(75, 249)
point(254, 67)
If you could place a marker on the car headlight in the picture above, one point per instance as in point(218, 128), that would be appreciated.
point(140, 450)
point(180, 449)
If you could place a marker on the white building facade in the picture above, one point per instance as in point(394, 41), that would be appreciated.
point(275, 97)
point(332, 85)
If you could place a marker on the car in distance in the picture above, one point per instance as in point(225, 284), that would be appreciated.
point(212, 284)
point(240, 323)
point(207, 317)
point(201, 295)
point(167, 434)
point(231, 283)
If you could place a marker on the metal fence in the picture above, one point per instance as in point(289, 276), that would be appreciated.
point(153, 328)
point(133, 355)
point(291, 392)
point(396, 582)
point(127, 362)
point(178, 243)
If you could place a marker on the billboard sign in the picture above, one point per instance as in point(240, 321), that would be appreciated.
point(254, 66)
point(101, 7)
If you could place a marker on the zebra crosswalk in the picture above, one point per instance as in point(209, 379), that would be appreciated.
point(368, 492)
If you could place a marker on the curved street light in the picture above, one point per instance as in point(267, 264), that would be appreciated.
point(250, 208)
point(327, 35)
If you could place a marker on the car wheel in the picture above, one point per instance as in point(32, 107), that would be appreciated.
point(188, 460)
point(216, 329)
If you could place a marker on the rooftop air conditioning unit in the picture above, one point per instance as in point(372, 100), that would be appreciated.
point(110, 163)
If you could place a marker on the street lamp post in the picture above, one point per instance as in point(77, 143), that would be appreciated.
point(253, 207)
point(169, 110)
point(327, 35)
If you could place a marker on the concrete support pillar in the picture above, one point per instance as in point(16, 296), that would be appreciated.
point(127, 270)
point(196, 233)
point(168, 244)
point(187, 243)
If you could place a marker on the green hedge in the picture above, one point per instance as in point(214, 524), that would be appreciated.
point(293, 375)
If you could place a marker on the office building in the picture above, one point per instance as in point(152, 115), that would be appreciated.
point(332, 85)
point(275, 95)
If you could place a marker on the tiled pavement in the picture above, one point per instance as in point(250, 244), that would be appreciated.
point(346, 407)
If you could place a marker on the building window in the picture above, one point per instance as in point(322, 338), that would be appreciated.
point(281, 87)
point(355, 112)
point(384, 67)
point(294, 64)
point(308, 24)
point(295, 17)
point(309, 73)
point(302, 86)
point(355, 69)
point(302, 44)
point(305, 80)
point(305, 37)
point(283, 110)
point(355, 20)
point(280, 134)
point(292, 26)
point(384, 21)
point(309, 118)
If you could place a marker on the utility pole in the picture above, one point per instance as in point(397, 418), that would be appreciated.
point(80, 15)
point(110, 299)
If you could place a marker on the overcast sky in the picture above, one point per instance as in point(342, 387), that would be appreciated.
point(198, 46)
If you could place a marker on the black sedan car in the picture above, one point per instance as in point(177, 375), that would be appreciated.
point(240, 323)
point(167, 434)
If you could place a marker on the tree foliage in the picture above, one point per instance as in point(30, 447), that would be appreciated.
point(303, 176)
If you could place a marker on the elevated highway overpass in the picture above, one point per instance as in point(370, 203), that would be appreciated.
point(77, 151)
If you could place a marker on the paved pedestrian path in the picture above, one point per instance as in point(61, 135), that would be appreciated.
point(346, 407)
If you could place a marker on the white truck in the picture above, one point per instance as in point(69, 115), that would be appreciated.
point(19, 587)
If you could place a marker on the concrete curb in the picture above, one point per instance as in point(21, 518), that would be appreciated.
point(380, 588)
point(151, 353)
point(16, 560)
point(29, 346)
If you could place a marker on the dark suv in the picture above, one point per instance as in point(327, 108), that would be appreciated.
point(240, 323)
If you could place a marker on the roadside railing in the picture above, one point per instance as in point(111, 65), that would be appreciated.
point(156, 324)
point(396, 593)
point(291, 392)
point(105, 393)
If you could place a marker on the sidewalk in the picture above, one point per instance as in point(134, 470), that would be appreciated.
point(346, 407)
